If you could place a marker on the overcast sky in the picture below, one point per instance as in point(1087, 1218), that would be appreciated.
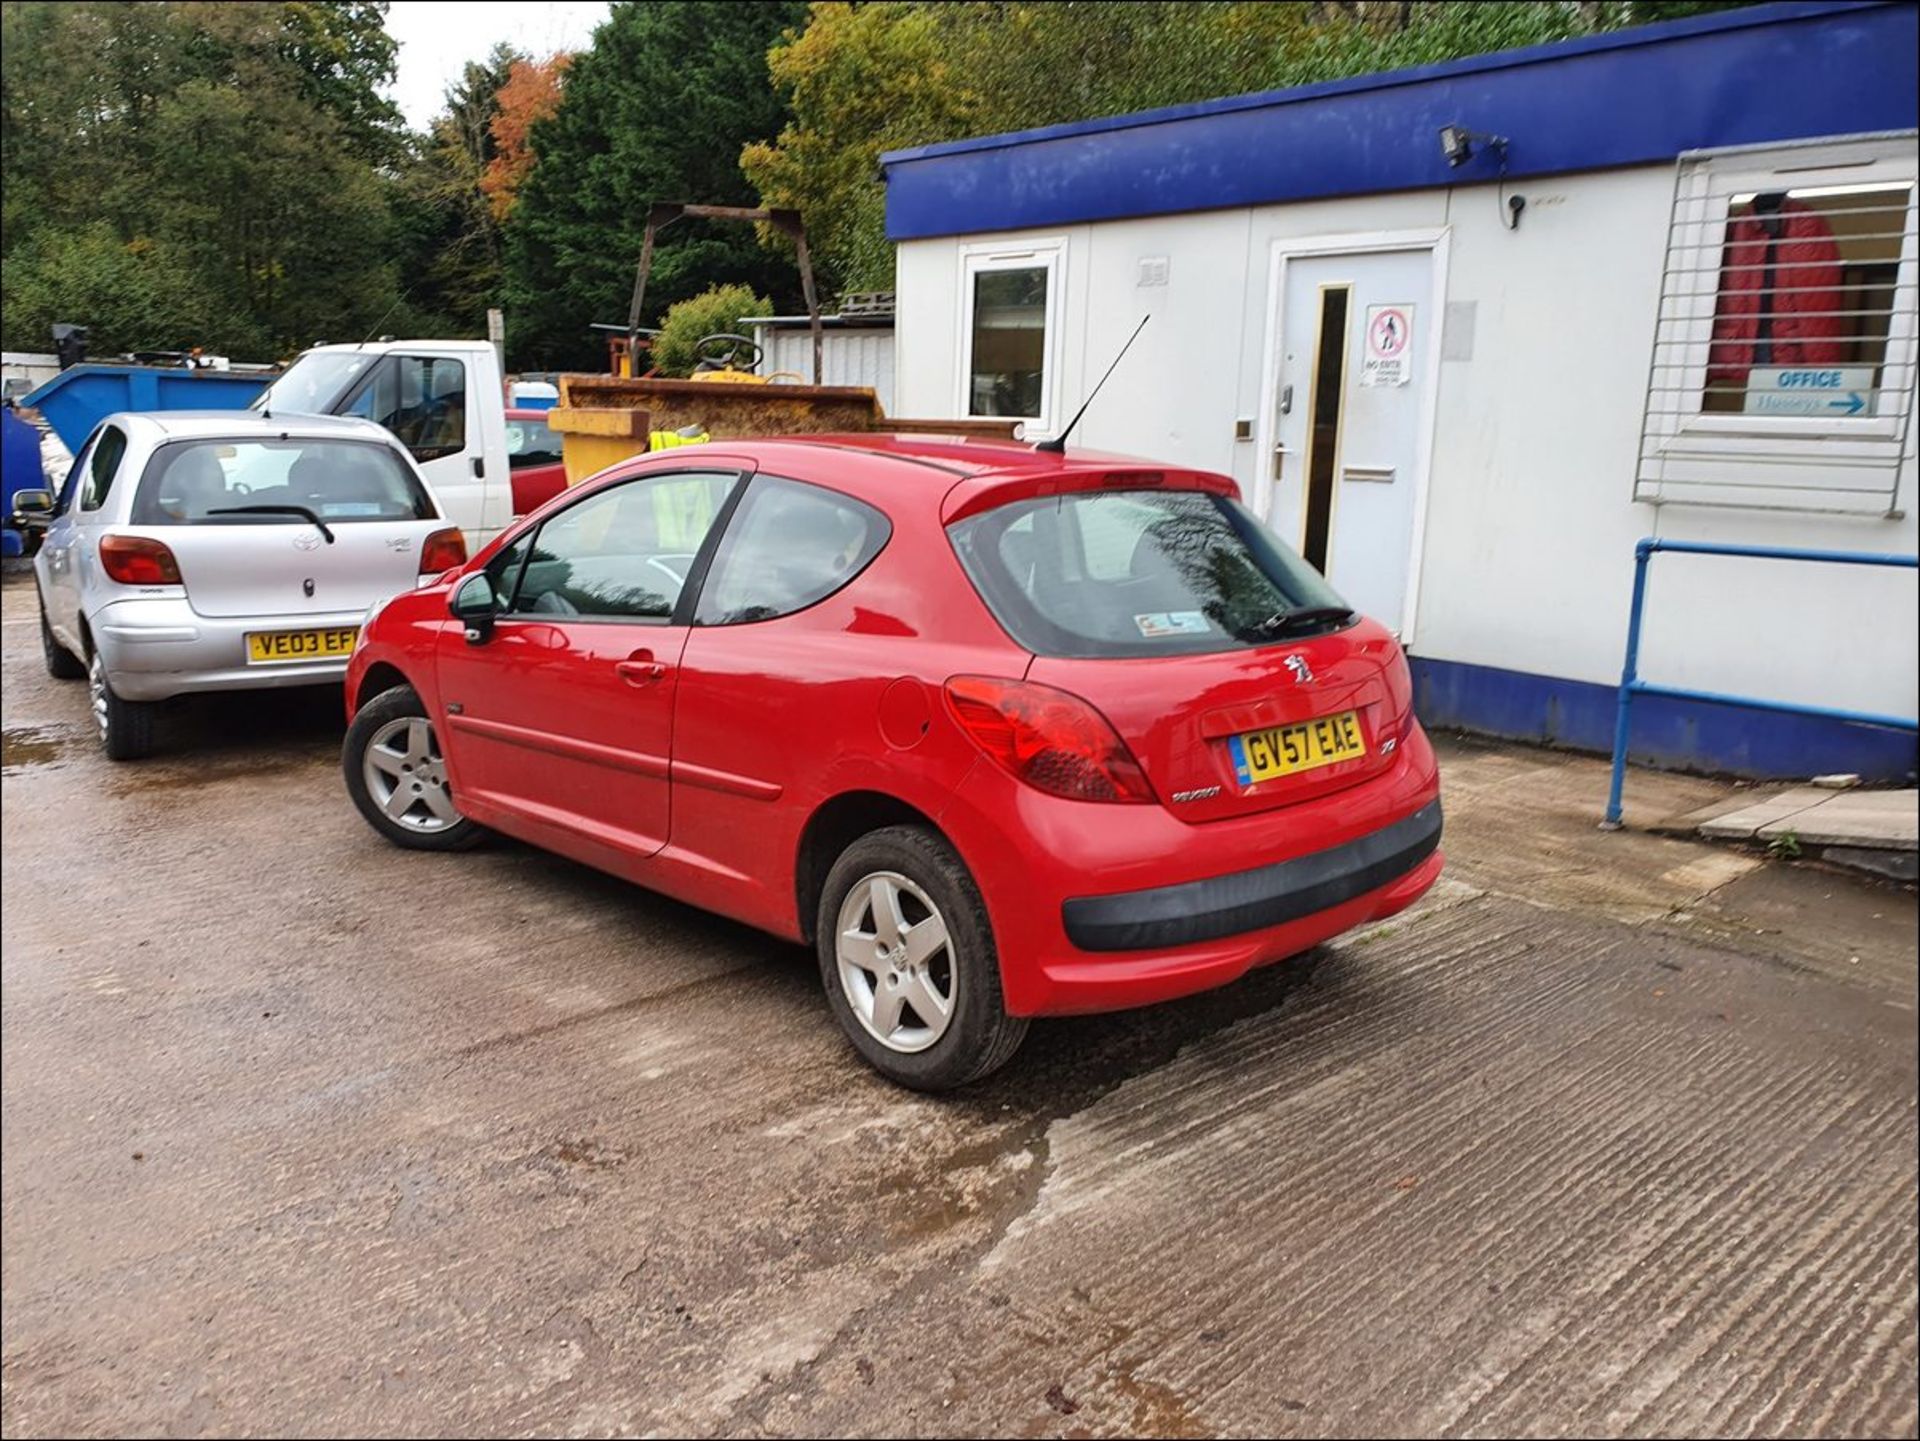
point(438, 37)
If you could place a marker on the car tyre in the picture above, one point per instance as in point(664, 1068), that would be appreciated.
point(126, 726)
point(62, 664)
point(397, 776)
point(901, 929)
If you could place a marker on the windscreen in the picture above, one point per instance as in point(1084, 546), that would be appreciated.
point(235, 482)
point(1141, 573)
point(314, 383)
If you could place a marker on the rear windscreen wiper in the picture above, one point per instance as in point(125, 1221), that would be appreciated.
point(1285, 620)
point(299, 510)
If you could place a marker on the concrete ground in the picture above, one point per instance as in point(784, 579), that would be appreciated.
point(1876, 831)
point(306, 1135)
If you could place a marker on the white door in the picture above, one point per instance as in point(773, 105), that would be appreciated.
point(435, 407)
point(1343, 480)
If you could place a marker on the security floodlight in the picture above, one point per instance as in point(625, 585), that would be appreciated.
point(1456, 143)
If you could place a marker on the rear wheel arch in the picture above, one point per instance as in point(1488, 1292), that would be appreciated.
point(834, 826)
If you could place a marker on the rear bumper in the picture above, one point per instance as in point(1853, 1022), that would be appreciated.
point(1102, 908)
point(1079, 982)
point(157, 649)
point(1258, 899)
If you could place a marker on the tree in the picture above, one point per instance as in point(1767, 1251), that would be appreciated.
point(531, 93)
point(657, 110)
point(197, 173)
point(135, 295)
point(447, 236)
point(863, 79)
point(345, 57)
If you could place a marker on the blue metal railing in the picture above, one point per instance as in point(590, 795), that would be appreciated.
point(1631, 685)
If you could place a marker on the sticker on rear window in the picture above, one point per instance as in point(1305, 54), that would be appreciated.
point(1171, 622)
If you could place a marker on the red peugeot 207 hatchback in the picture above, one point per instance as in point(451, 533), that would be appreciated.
point(1002, 733)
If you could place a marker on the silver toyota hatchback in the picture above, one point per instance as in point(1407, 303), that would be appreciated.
point(211, 551)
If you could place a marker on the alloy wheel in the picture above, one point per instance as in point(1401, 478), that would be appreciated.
point(97, 692)
point(407, 777)
point(896, 962)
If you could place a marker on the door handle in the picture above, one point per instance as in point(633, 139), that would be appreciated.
point(640, 669)
point(1286, 400)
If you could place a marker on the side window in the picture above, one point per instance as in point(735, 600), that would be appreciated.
point(503, 571)
point(421, 399)
point(102, 466)
point(70, 487)
point(623, 553)
point(789, 546)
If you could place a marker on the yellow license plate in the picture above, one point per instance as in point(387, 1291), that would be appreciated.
point(1287, 750)
point(276, 647)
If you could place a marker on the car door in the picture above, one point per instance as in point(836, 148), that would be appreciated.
point(424, 401)
point(780, 666)
point(560, 720)
point(74, 535)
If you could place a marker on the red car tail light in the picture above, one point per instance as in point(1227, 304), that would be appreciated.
point(443, 551)
point(136, 560)
point(1053, 741)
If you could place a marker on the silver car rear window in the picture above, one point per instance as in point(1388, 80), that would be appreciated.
point(237, 482)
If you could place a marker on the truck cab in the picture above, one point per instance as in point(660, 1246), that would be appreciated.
point(444, 400)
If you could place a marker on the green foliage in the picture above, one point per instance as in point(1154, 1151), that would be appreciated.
point(196, 174)
point(657, 110)
point(138, 296)
point(1785, 846)
point(447, 243)
point(863, 79)
point(232, 176)
point(715, 311)
point(343, 56)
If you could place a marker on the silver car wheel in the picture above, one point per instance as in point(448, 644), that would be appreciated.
point(896, 962)
point(97, 691)
point(407, 777)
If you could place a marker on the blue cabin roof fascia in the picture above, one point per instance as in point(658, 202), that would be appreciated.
point(1766, 73)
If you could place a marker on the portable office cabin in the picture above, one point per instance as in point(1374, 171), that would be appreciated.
point(1469, 419)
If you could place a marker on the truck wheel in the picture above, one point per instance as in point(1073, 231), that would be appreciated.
point(907, 955)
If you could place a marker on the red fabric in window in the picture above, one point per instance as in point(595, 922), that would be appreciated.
point(1806, 282)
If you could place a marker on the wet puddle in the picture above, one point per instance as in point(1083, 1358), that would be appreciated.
point(25, 747)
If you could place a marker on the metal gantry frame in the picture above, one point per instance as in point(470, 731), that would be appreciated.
point(663, 213)
point(1631, 685)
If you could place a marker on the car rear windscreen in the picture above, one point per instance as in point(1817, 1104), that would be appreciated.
point(1140, 573)
point(232, 482)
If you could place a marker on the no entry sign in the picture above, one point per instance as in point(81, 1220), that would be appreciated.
point(1389, 357)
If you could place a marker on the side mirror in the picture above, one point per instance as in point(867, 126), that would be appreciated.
point(33, 504)
point(475, 605)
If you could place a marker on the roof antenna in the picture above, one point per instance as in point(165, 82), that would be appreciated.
point(1059, 443)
